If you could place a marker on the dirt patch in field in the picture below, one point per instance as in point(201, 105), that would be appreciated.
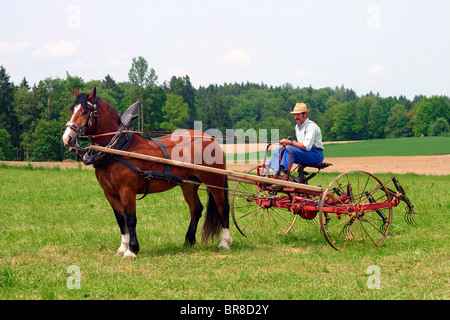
point(62, 165)
point(430, 165)
point(260, 147)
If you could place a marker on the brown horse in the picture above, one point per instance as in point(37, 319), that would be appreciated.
point(93, 117)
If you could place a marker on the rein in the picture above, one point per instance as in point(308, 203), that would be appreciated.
point(235, 139)
point(129, 131)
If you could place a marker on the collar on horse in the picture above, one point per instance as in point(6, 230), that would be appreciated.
point(121, 141)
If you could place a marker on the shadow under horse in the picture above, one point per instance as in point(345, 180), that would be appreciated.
point(123, 178)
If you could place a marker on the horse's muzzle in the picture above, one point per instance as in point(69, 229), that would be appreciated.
point(69, 137)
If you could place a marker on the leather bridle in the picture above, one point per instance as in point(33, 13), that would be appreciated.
point(88, 123)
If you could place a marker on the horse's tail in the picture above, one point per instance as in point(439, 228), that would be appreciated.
point(213, 221)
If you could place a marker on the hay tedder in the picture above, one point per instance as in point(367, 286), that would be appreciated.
point(354, 210)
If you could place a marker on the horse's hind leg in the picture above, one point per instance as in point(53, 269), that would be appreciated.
point(224, 212)
point(195, 207)
point(222, 207)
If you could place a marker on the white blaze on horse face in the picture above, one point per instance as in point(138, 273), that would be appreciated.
point(69, 131)
point(75, 110)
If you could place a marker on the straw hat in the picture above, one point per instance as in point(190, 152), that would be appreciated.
point(300, 108)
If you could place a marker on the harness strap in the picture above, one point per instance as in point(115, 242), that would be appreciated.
point(120, 141)
point(134, 168)
point(148, 175)
point(100, 160)
point(167, 168)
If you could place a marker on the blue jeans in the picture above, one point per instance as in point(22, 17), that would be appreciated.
point(311, 158)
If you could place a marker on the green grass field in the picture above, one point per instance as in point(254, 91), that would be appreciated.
point(420, 146)
point(54, 219)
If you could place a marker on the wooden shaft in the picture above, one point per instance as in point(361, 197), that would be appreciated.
point(232, 175)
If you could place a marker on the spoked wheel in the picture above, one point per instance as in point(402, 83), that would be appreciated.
point(355, 211)
point(254, 210)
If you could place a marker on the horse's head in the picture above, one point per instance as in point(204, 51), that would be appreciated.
point(84, 116)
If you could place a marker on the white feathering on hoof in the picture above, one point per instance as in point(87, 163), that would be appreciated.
point(225, 243)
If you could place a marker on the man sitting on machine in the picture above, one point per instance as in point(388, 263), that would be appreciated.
point(307, 150)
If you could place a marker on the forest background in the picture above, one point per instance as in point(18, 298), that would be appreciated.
point(32, 118)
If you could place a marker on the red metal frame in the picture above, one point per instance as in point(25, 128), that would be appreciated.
point(300, 203)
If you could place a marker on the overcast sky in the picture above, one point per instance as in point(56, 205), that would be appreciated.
point(392, 47)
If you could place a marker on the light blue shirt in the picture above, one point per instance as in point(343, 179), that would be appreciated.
point(309, 134)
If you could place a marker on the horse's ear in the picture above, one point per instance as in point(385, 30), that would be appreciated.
point(93, 94)
point(76, 92)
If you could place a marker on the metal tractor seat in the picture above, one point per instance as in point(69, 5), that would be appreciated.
point(304, 177)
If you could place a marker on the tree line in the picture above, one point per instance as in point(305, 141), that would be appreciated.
point(32, 118)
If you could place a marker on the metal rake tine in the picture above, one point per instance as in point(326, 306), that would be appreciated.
point(409, 218)
point(415, 224)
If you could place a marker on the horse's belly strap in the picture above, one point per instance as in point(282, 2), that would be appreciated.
point(148, 175)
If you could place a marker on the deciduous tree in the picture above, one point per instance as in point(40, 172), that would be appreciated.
point(143, 78)
point(175, 112)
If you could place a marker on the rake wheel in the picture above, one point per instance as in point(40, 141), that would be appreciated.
point(252, 217)
point(355, 210)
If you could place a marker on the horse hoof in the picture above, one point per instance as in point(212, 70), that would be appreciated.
point(225, 243)
point(121, 252)
point(225, 246)
point(129, 255)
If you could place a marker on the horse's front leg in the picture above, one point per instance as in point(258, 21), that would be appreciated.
point(129, 211)
point(125, 241)
point(133, 245)
point(118, 209)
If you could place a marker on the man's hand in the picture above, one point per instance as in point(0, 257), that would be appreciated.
point(285, 142)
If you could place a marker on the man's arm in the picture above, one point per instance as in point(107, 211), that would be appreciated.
point(287, 142)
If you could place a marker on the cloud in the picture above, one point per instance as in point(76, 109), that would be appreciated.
point(366, 53)
point(299, 72)
point(311, 75)
point(237, 55)
point(376, 70)
point(117, 59)
point(57, 49)
point(13, 47)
